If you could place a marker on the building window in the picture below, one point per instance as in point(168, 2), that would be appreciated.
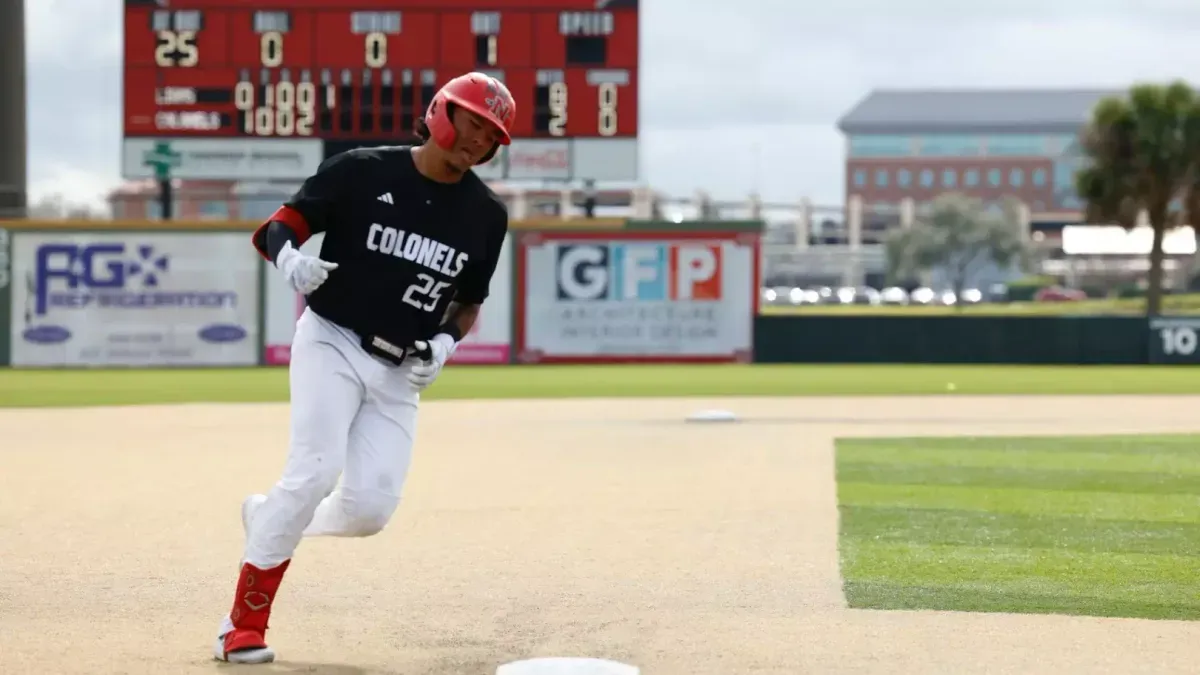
point(1016, 177)
point(860, 178)
point(994, 177)
point(1039, 177)
point(971, 177)
point(880, 145)
point(949, 145)
point(154, 209)
point(881, 178)
point(927, 178)
point(1017, 145)
point(949, 178)
point(904, 177)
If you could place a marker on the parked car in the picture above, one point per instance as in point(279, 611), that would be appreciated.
point(777, 295)
point(893, 295)
point(971, 296)
point(1059, 294)
point(788, 295)
point(922, 296)
point(866, 295)
point(825, 295)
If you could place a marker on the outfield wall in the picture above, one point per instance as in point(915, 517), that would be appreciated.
point(1044, 340)
point(140, 294)
point(151, 294)
point(951, 339)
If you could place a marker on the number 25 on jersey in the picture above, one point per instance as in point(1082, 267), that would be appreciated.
point(426, 293)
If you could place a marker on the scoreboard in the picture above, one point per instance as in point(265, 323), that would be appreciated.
point(259, 88)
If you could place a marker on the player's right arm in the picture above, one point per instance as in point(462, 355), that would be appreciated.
point(311, 210)
point(314, 207)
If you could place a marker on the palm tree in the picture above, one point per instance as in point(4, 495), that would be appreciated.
point(1143, 154)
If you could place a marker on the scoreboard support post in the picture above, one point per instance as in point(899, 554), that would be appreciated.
point(162, 160)
point(13, 197)
point(166, 198)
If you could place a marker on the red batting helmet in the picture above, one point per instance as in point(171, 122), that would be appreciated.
point(481, 94)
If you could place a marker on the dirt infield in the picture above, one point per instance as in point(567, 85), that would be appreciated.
point(573, 528)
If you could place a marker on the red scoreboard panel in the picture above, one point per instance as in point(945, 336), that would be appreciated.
point(364, 71)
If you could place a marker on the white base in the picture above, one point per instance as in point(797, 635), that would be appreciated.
point(713, 416)
point(567, 665)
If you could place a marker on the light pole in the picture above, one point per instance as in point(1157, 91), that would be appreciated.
point(13, 145)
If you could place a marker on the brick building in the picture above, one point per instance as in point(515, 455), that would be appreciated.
point(985, 143)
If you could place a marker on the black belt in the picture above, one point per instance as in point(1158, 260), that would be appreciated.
point(390, 352)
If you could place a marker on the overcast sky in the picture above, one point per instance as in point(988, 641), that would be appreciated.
point(734, 95)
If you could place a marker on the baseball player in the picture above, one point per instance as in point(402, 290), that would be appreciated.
point(412, 237)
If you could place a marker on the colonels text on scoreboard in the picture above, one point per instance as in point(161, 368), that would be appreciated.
point(318, 68)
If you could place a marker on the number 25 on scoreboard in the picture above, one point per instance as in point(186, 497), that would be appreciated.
point(176, 48)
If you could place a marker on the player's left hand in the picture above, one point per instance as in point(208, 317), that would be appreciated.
point(433, 354)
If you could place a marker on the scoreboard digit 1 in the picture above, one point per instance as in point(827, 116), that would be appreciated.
point(225, 75)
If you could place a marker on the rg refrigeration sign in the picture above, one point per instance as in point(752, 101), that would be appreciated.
point(589, 297)
point(134, 299)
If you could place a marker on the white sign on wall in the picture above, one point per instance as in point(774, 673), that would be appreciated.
point(654, 297)
point(132, 299)
point(225, 158)
point(490, 339)
point(541, 158)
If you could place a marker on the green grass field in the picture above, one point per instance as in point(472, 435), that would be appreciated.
point(1100, 526)
point(135, 386)
point(1181, 304)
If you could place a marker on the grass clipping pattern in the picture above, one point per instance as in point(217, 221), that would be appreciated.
point(1098, 526)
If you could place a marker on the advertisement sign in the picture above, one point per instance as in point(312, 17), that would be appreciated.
point(134, 299)
point(223, 158)
point(489, 341)
point(540, 159)
point(1174, 340)
point(636, 296)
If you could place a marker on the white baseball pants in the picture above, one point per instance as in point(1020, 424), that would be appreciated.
point(353, 416)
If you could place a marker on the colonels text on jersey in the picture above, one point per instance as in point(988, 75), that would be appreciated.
point(406, 246)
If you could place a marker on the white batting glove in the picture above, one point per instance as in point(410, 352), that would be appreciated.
point(439, 349)
point(304, 272)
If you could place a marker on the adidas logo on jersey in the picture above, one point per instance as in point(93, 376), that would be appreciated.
point(386, 198)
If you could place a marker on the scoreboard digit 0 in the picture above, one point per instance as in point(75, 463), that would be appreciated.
point(319, 70)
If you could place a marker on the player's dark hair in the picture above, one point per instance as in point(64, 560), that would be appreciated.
point(422, 130)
